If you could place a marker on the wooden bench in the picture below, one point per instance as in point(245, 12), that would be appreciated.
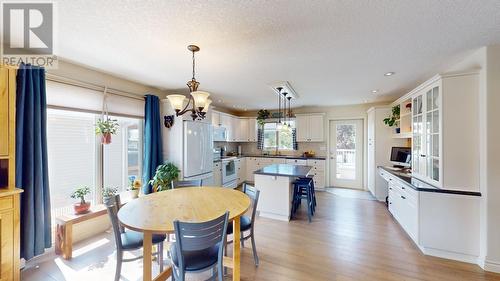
point(64, 229)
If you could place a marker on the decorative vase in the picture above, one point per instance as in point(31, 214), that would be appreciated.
point(134, 193)
point(106, 138)
point(81, 208)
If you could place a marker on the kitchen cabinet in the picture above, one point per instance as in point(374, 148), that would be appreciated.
point(4, 111)
point(226, 121)
point(217, 173)
point(241, 129)
point(216, 119)
point(300, 162)
point(9, 194)
point(241, 169)
point(317, 171)
point(310, 127)
point(446, 156)
point(252, 130)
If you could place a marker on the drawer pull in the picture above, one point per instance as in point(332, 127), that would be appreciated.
point(403, 187)
point(403, 197)
point(390, 188)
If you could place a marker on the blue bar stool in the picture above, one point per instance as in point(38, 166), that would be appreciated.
point(303, 189)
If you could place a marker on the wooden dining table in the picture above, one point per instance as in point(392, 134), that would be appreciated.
point(156, 212)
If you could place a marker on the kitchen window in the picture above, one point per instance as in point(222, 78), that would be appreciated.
point(76, 156)
point(277, 136)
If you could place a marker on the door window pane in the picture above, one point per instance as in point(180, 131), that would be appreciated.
point(435, 145)
point(346, 151)
point(71, 144)
point(435, 121)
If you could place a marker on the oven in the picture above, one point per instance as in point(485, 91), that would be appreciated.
point(229, 176)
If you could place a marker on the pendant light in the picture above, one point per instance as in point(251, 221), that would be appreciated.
point(199, 99)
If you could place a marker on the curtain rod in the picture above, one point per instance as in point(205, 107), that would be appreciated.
point(91, 86)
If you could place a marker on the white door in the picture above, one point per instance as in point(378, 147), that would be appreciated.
point(346, 153)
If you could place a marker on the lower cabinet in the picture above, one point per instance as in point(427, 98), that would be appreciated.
point(217, 173)
point(241, 170)
point(441, 224)
point(9, 237)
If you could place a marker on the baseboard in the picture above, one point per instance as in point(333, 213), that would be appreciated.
point(489, 265)
point(274, 216)
point(450, 255)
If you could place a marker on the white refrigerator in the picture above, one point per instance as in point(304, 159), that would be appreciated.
point(198, 151)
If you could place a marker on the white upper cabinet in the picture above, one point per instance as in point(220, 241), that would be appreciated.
point(445, 135)
point(310, 127)
point(252, 129)
point(237, 129)
point(215, 118)
point(426, 130)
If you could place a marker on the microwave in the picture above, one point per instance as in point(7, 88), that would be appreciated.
point(219, 134)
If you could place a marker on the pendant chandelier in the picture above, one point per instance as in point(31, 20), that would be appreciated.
point(284, 114)
point(198, 99)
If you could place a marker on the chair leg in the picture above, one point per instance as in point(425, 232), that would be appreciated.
point(220, 270)
point(254, 249)
point(225, 254)
point(160, 256)
point(119, 261)
point(309, 206)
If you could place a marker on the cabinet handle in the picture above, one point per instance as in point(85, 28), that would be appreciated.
point(423, 155)
point(390, 188)
point(403, 197)
point(403, 187)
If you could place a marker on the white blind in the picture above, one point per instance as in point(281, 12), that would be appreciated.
point(68, 96)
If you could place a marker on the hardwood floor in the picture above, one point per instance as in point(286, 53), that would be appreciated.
point(349, 239)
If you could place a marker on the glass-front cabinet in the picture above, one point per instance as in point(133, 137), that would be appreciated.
point(426, 135)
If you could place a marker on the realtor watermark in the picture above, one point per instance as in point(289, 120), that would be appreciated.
point(28, 34)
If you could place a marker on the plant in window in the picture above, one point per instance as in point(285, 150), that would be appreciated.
point(80, 193)
point(134, 186)
point(164, 176)
point(262, 115)
point(393, 119)
point(106, 128)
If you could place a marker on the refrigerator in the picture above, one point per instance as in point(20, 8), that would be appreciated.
point(197, 151)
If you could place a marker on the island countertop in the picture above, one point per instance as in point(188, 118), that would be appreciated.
point(285, 170)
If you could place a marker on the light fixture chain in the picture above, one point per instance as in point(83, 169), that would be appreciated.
point(193, 65)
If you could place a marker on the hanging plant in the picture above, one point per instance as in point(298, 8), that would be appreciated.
point(392, 120)
point(106, 128)
point(262, 115)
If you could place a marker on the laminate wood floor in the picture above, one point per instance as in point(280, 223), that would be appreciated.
point(349, 239)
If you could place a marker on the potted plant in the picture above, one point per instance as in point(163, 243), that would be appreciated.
point(106, 128)
point(134, 187)
point(82, 206)
point(262, 115)
point(164, 176)
point(108, 192)
point(393, 119)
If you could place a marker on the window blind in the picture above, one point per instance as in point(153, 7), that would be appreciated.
point(79, 98)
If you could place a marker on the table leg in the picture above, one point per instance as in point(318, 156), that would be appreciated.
point(147, 244)
point(236, 249)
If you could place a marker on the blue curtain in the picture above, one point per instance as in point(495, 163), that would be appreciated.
point(153, 154)
point(31, 160)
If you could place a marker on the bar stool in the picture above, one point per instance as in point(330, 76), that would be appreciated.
point(303, 189)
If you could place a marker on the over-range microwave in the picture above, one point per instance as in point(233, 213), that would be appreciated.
point(219, 134)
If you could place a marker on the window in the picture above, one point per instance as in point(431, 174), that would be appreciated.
point(75, 155)
point(277, 136)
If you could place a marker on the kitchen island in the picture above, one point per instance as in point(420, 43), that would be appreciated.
point(275, 183)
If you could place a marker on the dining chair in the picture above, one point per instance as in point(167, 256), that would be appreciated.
point(199, 247)
point(248, 223)
point(178, 184)
point(128, 240)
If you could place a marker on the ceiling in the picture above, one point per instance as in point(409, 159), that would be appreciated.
point(331, 52)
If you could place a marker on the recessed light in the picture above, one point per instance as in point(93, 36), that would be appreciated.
point(374, 91)
point(389, 73)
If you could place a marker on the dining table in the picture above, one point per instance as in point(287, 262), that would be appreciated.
point(155, 213)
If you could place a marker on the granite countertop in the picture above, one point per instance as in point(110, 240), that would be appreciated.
point(285, 170)
point(419, 185)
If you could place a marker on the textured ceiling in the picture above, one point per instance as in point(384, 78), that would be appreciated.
point(332, 52)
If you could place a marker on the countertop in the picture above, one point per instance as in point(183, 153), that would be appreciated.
point(422, 186)
point(285, 170)
point(274, 156)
